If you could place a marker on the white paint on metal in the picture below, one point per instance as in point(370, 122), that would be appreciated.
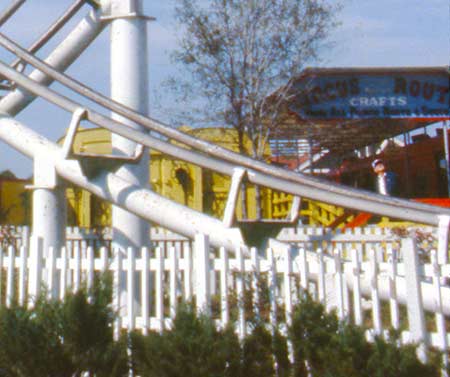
point(77, 116)
point(138, 200)
point(49, 215)
point(61, 58)
point(129, 86)
point(49, 204)
point(233, 193)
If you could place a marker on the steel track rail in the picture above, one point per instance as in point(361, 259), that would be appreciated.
point(208, 148)
point(108, 186)
point(9, 12)
point(53, 29)
point(295, 184)
point(60, 58)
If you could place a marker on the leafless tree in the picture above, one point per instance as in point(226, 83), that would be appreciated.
point(241, 54)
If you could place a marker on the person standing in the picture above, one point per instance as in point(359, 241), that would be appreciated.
point(386, 182)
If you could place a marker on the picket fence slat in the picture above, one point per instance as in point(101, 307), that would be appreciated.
point(376, 307)
point(117, 302)
point(272, 282)
point(357, 297)
point(159, 276)
point(145, 290)
point(240, 291)
point(393, 303)
point(255, 284)
point(439, 315)
point(1, 276)
point(367, 273)
point(11, 261)
point(224, 284)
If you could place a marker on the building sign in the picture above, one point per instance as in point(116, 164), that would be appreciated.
point(372, 93)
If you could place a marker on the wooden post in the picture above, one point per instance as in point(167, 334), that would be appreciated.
point(416, 317)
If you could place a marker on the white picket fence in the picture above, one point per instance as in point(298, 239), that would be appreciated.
point(369, 277)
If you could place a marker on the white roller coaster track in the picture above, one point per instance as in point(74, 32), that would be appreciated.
point(138, 200)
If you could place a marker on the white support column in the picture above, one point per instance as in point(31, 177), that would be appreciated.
point(129, 86)
point(49, 206)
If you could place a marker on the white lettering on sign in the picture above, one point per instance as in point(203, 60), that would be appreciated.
point(378, 101)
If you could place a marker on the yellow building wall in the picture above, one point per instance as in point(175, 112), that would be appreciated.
point(198, 188)
point(15, 202)
point(202, 190)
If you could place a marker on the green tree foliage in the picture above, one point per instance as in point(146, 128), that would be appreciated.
point(75, 337)
point(325, 347)
point(258, 358)
point(321, 347)
point(193, 347)
point(62, 338)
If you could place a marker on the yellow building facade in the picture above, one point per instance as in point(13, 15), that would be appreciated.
point(198, 188)
point(15, 201)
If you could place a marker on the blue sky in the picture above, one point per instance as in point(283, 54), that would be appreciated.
point(372, 33)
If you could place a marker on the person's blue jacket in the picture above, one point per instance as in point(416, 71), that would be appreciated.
point(391, 184)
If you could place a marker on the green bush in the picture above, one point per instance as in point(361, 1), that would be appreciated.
point(324, 347)
point(193, 347)
point(321, 347)
point(75, 336)
point(62, 338)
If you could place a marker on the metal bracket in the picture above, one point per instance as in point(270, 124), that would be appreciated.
point(78, 115)
point(236, 181)
point(93, 3)
point(295, 207)
point(128, 15)
point(114, 10)
point(92, 164)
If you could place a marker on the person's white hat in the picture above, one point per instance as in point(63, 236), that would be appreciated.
point(376, 162)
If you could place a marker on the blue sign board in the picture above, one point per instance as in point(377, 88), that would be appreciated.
point(372, 94)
